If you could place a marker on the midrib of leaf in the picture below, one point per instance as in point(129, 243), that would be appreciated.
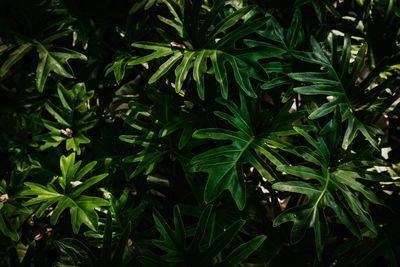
point(239, 156)
point(328, 177)
point(43, 48)
point(340, 85)
point(244, 149)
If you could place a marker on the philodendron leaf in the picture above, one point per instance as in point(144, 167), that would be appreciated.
point(74, 252)
point(72, 119)
point(340, 81)
point(81, 207)
point(166, 128)
point(54, 61)
point(198, 61)
point(225, 164)
point(312, 214)
point(118, 68)
point(336, 188)
point(14, 57)
point(225, 173)
point(203, 45)
point(333, 186)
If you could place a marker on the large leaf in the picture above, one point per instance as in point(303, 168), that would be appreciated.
point(14, 57)
point(54, 61)
point(206, 47)
point(341, 81)
point(163, 128)
point(336, 188)
point(81, 207)
point(225, 164)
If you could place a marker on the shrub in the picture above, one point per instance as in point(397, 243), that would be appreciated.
point(199, 133)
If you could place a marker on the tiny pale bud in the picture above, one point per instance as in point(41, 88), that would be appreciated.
point(4, 198)
point(38, 236)
point(75, 183)
point(67, 132)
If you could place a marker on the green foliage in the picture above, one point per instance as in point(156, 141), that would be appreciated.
point(340, 82)
point(12, 212)
point(225, 164)
point(72, 119)
point(335, 182)
point(67, 194)
point(199, 133)
point(202, 46)
point(204, 247)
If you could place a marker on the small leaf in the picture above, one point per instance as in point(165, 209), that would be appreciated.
point(14, 57)
point(53, 61)
point(165, 67)
point(242, 252)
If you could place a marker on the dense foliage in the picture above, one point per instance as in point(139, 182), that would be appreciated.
point(200, 133)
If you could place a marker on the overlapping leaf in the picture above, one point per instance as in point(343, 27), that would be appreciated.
point(320, 6)
point(157, 124)
point(12, 212)
point(290, 41)
point(203, 46)
point(204, 247)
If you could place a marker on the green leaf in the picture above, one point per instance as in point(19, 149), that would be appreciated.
point(160, 50)
point(14, 57)
point(229, 21)
point(53, 61)
point(88, 183)
point(122, 244)
point(81, 207)
point(340, 80)
point(202, 46)
point(242, 252)
point(301, 171)
point(224, 174)
point(107, 238)
point(72, 119)
point(349, 178)
point(118, 67)
point(319, 90)
point(201, 229)
point(292, 35)
point(165, 67)
point(73, 251)
point(314, 77)
point(199, 69)
point(224, 164)
point(325, 109)
point(203, 249)
point(5, 228)
point(275, 82)
point(182, 70)
point(220, 242)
